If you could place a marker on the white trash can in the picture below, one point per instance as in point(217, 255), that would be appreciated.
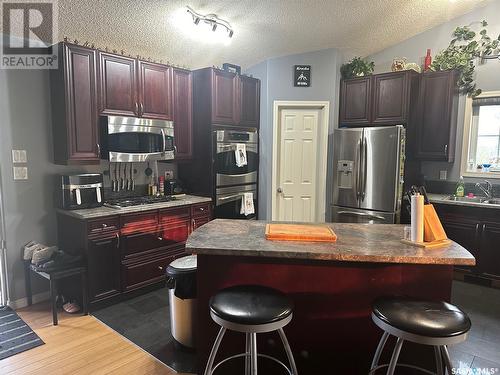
point(181, 282)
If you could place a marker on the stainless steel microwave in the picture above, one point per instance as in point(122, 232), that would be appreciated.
point(131, 139)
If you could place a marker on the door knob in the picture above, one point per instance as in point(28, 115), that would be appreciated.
point(279, 190)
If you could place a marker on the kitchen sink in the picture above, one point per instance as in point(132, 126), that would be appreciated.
point(468, 199)
point(482, 200)
point(493, 201)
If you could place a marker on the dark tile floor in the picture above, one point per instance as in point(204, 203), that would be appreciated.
point(144, 320)
point(480, 354)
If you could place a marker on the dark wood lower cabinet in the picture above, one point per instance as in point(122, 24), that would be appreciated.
point(128, 252)
point(103, 253)
point(138, 274)
point(478, 230)
point(463, 231)
point(490, 242)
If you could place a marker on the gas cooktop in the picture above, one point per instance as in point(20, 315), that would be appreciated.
point(137, 201)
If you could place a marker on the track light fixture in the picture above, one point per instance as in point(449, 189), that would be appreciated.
point(211, 19)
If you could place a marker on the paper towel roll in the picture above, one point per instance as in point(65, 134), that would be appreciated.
point(417, 218)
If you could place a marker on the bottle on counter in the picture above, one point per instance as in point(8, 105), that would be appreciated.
point(460, 191)
point(153, 187)
point(161, 185)
point(428, 60)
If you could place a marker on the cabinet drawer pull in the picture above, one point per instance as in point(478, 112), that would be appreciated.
point(202, 209)
point(104, 225)
point(160, 268)
point(160, 238)
point(117, 241)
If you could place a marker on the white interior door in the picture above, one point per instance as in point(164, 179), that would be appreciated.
point(297, 165)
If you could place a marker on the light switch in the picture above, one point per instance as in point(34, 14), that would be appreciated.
point(19, 156)
point(20, 173)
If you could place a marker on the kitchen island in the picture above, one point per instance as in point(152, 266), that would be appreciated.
point(332, 286)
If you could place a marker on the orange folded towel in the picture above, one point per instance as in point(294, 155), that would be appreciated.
point(300, 232)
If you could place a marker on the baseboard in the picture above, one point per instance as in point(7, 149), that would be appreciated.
point(23, 302)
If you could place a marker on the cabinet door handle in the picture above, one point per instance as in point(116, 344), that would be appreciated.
point(137, 109)
point(160, 268)
point(160, 238)
point(104, 225)
point(117, 241)
point(142, 109)
point(446, 149)
point(98, 150)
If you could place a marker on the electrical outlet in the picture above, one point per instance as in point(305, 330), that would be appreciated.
point(169, 175)
point(20, 173)
point(443, 175)
point(19, 156)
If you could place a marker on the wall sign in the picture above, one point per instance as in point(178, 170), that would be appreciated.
point(302, 75)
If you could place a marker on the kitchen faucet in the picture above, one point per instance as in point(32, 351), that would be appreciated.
point(488, 190)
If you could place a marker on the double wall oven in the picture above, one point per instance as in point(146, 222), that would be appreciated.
point(233, 181)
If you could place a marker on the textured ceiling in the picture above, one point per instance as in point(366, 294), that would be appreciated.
point(262, 29)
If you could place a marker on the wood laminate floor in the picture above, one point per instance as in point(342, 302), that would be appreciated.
point(78, 345)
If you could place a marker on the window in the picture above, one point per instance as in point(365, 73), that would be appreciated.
point(481, 153)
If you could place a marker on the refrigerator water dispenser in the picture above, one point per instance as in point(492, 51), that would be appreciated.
point(345, 175)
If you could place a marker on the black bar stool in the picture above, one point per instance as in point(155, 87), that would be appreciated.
point(438, 324)
point(251, 309)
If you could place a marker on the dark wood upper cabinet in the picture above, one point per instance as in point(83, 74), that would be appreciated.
point(183, 113)
point(118, 85)
point(355, 101)
point(224, 97)
point(74, 106)
point(249, 104)
point(437, 121)
point(427, 104)
point(391, 94)
point(155, 91)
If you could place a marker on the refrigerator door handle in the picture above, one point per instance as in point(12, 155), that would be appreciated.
point(361, 214)
point(357, 161)
point(364, 147)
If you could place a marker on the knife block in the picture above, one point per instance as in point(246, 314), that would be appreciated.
point(433, 229)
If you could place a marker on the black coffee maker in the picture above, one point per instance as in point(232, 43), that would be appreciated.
point(82, 191)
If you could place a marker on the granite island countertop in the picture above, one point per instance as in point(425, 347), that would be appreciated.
point(372, 243)
point(97, 212)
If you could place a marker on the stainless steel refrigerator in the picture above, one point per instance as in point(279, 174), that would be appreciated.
point(368, 174)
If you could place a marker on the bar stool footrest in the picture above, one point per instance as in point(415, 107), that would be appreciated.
point(248, 355)
point(374, 370)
